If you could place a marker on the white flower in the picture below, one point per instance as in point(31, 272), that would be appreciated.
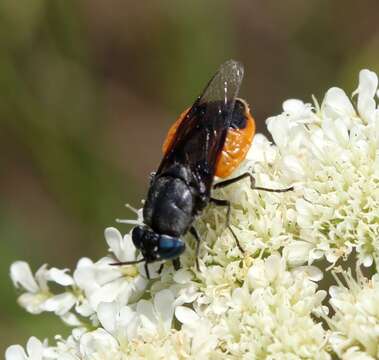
point(269, 314)
point(145, 319)
point(99, 345)
point(34, 351)
point(102, 282)
point(332, 154)
point(38, 297)
point(368, 84)
point(199, 330)
point(355, 324)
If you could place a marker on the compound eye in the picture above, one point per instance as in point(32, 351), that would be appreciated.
point(170, 247)
point(137, 236)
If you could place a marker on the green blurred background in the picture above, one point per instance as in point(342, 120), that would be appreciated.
point(88, 89)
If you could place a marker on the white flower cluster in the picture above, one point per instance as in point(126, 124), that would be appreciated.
point(355, 324)
point(333, 155)
point(264, 303)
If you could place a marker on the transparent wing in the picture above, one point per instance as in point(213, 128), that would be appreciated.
point(200, 137)
point(223, 88)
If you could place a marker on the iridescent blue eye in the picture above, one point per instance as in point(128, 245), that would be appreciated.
point(170, 247)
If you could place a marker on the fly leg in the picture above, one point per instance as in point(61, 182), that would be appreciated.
point(176, 264)
point(225, 183)
point(160, 269)
point(197, 238)
point(147, 270)
point(221, 202)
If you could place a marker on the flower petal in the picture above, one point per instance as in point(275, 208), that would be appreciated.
point(107, 314)
point(337, 105)
point(114, 238)
point(368, 84)
point(34, 348)
point(60, 277)
point(163, 302)
point(22, 275)
point(145, 310)
point(60, 304)
point(122, 247)
point(98, 344)
point(293, 106)
point(15, 352)
point(182, 276)
point(186, 315)
point(33, 303)
point(297, 252)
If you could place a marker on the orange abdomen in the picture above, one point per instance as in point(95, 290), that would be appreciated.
point(172, 131)
point(237, 143)
point(236, 146)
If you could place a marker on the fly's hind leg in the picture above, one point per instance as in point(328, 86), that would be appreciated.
point(225, 183)
point(228, 182)
point(221, 202)
point(197, 238)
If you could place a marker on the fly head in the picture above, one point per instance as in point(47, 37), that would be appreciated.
point(156, 247)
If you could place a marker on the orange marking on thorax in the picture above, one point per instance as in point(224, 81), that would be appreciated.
point(236, 146)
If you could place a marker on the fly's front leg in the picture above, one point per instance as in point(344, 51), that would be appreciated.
point(197, 238)
point(228, 182)
point(160, 269)
point(220, 202)
point(147, 270)
point(176, 264)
